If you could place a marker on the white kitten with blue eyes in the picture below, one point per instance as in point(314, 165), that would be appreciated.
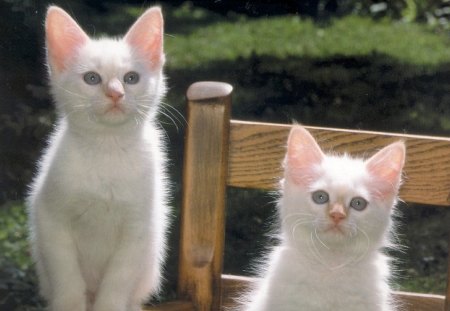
point(335, 215)
point(98, 214)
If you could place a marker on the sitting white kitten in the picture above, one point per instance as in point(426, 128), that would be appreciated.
point(335, 215)
point(98, 205)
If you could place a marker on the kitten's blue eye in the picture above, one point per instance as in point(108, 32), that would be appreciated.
point(320, 197)
point(92, 78)
point(358, 203)
point(131, 77)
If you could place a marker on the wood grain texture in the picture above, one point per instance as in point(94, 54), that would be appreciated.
point(233, 286)
point(171, 306)
point(420, 302)
point(203, 205)
point(257, 151)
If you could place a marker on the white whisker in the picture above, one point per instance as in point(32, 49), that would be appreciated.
point(319, 239)
point(164, 131)
point(170, 118)
point(70, 92)
point(174, 111)
point(296, 225)
point(286, 218)
point(366, 250)
point(166, 110)
point(314, 251)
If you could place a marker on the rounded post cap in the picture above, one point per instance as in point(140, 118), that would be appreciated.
point(208, 89)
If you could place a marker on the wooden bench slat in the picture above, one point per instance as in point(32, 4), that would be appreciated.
point(233, 286)
point(420, 302)
point(257, 151)
point(171, 306)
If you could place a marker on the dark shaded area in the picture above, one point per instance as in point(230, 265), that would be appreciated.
point(270, 7)
point(249, 8)
point(369, 92)
point(317, 9)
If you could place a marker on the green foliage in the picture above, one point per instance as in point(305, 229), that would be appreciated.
point(18, 289)
point(434, 13)
point(13, 236)
point(409, 13)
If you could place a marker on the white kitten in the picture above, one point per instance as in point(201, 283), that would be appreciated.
point(335, 215)
point(98, 205)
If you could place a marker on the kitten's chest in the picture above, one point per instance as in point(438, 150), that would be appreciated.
point(346, 288)
point(108, 173)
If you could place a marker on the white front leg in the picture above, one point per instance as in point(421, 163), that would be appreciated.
point(126, 270)
point(57, 256)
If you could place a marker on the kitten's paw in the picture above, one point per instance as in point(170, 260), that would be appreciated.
point(135, 308)
point(113, 305)
point(66, 303)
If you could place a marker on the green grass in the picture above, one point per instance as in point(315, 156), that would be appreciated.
point(282, 37)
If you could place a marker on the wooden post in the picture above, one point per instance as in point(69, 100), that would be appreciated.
point(203, 207)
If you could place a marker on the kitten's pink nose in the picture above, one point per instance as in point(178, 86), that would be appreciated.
point(337, 213)
point(114, 90)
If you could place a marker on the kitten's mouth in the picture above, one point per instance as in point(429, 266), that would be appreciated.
point(115, 109)
point(114, 113)
point(335, 229)
point(337, 246)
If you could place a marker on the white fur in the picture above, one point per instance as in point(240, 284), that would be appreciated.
point(317, 270)
point(98, 204)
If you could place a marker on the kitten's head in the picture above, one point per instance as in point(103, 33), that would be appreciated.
point(337, 200)
point(104, 82)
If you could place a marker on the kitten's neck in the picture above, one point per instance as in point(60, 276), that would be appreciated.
point(124, 134)
point(333, 260)
point(327, 255)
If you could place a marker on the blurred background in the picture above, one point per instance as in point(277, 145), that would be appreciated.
point(371, 65)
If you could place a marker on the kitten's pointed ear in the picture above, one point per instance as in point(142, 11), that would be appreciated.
point(146, 36)
point(385, 168)
point(64, 37)
point(303, 154)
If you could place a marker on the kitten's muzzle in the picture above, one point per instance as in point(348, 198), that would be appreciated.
point(337, 213)
point(114, 90)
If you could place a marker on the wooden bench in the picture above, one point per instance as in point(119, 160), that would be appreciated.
point(221, 152)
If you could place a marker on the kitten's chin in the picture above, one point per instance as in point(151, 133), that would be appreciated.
point(336, 232)
point(114, 115)
point(114, 119)
point(335, 229)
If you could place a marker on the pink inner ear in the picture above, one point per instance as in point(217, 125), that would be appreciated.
point(64, 38)
point(146, 36)
point(303, 156)
point(385, 169)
